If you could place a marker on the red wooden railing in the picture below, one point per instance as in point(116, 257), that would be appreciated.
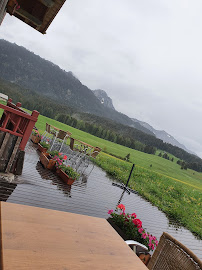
point(17, 122)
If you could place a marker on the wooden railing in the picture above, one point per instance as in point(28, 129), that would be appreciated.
point(17, 122)
point(84, 147)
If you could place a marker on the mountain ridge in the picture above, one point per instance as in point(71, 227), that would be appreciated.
point(163, 135)
point(24, 68)
point(160, 134)
point(104, 98)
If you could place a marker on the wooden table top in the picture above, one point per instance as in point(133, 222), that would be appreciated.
point(35, 238)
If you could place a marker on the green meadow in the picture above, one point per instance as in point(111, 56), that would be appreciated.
point(176, 192)
point(162, 182)
point(159, 165)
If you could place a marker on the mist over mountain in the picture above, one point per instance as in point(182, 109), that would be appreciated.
point(104, 98)
point(163, 135)
point(24, 68)
point(160, 134)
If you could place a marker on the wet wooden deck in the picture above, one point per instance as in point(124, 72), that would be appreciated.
point(94, 196)
point(36, 238)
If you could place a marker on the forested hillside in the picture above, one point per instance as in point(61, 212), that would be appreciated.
point(98, 126)
point(30, 71)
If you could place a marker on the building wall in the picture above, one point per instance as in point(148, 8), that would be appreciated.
point(3, 4)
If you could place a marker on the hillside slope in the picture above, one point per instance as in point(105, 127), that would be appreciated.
point(163, 135)
point(24, 68)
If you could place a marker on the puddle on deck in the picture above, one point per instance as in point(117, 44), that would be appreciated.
point(94, 197)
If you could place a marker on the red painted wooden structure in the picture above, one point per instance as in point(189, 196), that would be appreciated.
point(17, 122)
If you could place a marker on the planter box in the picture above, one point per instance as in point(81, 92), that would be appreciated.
point(139, 250)
point(117, 229)
point(41, 148)
point(47, 161)
point(65, 177)
point(35, 139)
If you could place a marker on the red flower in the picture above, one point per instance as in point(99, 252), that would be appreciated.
point(121, 206)
point(137, 222)
point(65, 157)
point(133, 215)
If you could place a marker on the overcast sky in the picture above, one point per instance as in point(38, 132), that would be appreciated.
point(146, 54)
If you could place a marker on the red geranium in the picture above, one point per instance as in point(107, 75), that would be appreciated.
point(137, 222)
point(121, 206)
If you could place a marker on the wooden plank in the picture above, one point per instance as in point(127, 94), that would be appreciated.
point(2, 135)
point(4, 144)
point(28, 16)
point(47, 3)
point(19, 163)
point(11, 132)
point(10, 163)
point(36, 238)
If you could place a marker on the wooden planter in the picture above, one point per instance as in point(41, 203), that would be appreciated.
point(35, 139)
point(65, 177)
point(117, 229)
point(139, 250)
point(47, 161)
point(41, 148)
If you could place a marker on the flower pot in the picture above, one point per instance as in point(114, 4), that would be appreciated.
point(41, 148)
point(47, 161)
point(68, 180)
point(35, 139)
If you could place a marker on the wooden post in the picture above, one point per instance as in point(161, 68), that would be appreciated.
point(28, 132)
point(71, 143)
point(10, 163)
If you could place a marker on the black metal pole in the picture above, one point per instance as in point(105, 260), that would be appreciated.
point(130, 174)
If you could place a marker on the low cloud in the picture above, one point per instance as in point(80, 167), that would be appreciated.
point(145, 54)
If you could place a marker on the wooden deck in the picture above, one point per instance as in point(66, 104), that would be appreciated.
point(35, 238)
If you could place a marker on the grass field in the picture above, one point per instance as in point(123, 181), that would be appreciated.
point(177, 192)
point(159, 165)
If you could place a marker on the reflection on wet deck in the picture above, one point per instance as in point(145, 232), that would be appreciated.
point(93, 196)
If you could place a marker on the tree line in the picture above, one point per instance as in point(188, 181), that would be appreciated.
point(95, 125)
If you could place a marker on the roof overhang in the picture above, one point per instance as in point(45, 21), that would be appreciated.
point(39, 14)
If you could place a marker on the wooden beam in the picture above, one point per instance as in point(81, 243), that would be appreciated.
point(47, 3)
point(19, 163)
point(10, 163)
point(28, 16)
point(33, 117)
point(4, 144)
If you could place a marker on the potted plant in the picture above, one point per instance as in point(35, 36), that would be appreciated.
point(36, 136)
point(67, 174)
point(130, 228)
point(43, 146)
point(52, 159)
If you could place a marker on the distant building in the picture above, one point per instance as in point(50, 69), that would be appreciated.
point(3, 97)
point(39, 14)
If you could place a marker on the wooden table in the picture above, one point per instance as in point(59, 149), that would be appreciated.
point(36, 238)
